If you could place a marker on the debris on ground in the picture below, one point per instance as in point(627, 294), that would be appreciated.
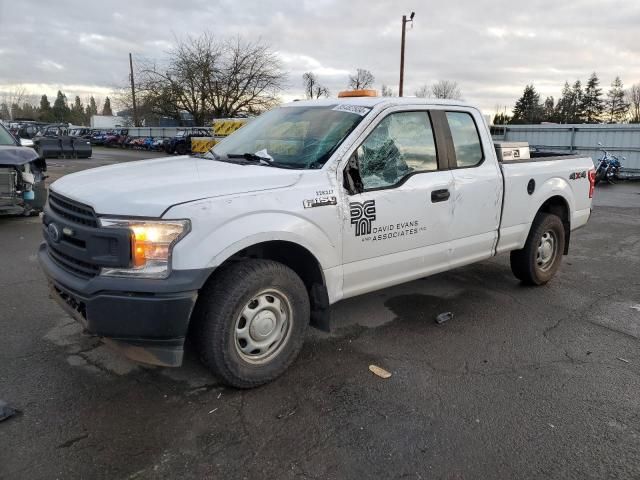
point(213, 410)
point(624, 360)
point(6, 411)
point(381, 372)
point(444, 317)
point(280, 416)
point(636, 307)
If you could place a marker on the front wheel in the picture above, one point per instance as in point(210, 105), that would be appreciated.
point(250, 322)
point(541, 256)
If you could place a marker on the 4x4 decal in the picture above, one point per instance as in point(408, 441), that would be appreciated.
point(362, 216)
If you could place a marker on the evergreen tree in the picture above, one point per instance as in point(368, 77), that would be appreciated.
point(548, 110)
point(528, 108)
point(46, 115)
point(592, 104)
point(576, 103)
point(106, 109)
point(92, 108)
point(569, 107)
point(60, 108)
point(564, 104)
point(617, 106)
point(77, 112)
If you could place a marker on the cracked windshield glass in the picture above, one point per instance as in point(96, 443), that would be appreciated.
point(294, 137)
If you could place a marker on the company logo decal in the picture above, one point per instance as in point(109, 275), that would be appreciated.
point(54, 232)
point(362, 216)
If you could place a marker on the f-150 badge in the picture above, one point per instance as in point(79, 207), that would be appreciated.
point(320, 201)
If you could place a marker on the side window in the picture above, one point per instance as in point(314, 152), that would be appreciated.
point(401, 144)
point(466, 140)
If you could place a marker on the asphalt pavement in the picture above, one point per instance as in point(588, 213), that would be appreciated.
point(521, 383)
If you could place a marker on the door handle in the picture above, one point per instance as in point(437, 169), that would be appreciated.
point(440, 195)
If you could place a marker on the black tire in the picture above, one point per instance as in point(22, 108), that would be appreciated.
point(219, 311)
point(181, 149)
point(526, 265)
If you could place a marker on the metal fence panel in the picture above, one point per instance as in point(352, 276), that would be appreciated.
point(621, 140)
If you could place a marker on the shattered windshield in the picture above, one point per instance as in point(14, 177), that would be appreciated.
point(295, 137)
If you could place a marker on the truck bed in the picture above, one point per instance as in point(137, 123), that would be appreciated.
point(529, 183)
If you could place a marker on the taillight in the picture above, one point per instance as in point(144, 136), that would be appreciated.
point(592, 182)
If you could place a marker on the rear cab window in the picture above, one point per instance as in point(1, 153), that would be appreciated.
point(466, 140)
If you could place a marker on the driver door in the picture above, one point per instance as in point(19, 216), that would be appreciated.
point(399, 205)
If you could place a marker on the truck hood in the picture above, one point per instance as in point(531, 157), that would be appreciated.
point(13, 155)
point(148, 187)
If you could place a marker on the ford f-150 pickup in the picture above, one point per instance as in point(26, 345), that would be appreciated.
point(310, 203)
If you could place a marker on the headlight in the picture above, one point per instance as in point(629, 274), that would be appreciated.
point(151, 244)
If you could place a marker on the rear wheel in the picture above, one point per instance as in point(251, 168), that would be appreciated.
point(541, 256)
point(250, 322)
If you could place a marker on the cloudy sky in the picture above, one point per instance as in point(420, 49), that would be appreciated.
point(491, 48)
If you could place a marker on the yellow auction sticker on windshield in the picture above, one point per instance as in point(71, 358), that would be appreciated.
point(357, 109)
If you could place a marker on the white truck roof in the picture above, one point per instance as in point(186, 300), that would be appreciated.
point(377, 101)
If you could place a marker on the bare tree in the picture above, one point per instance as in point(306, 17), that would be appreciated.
point(423, 92)
point(387, 91)
point(633, 98)
point(312, 86)
point(208, 77)
point(14, 96)
point(446, 89)
point(361, 80)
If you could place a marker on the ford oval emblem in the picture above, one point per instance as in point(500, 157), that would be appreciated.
point(54, 232)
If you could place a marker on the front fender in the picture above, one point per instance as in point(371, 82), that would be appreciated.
point(209, 247)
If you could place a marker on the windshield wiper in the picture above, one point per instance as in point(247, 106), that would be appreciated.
point(252, 157)
point(259, 160)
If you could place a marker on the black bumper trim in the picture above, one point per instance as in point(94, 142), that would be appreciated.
point(146, 319)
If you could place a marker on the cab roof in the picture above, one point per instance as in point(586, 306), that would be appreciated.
point(375, 102)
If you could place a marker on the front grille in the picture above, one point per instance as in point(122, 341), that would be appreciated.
point(74, 265)
point(73, 211)
point(77, 243)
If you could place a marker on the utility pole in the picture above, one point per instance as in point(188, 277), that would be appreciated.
point(404, 27)
point(133, 92)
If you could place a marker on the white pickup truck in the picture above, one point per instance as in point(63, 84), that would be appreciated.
point(308, 204)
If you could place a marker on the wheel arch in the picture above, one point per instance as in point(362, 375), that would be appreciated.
point(299, 259)
point(559, 206)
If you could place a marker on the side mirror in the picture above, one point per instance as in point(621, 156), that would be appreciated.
point(351, 176)
point(26, 142)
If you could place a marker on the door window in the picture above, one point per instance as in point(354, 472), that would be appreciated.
point(466, 140)
point(401, 144)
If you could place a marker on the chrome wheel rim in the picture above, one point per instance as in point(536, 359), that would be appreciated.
point(547, 250)
point(263, 327)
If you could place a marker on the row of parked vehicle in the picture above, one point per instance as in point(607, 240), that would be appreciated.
point(62, 140)
point(120, 138)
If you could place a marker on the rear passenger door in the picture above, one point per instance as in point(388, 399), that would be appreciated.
point(477, 189)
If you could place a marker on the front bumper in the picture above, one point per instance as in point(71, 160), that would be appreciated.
point(146, 319)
